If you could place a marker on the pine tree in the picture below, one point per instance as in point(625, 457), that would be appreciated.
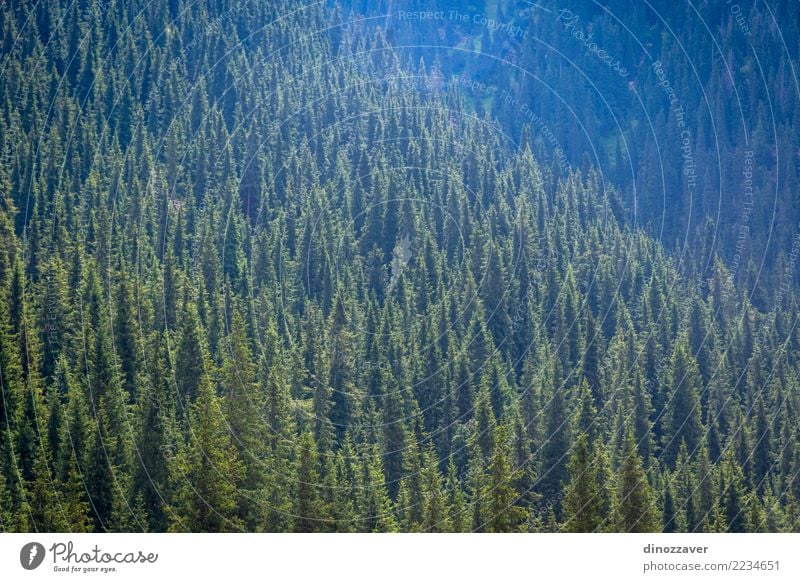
point(279, 435)
point(734, 500)
point(190, 357)
point(154, 440)
point(500, 512)
point(207, 469)
point(243, 406)
point(309, 509)
point(43, 499)
point(635, 507)
point(377, 511)
point(341, 376)
point(584, 495)
point(683, 413)
point(435, 511)
point(456, 500)
point(555, 451)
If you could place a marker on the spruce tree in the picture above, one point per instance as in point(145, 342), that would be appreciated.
point(635, 507)
point(207, 470)
point(499, 511)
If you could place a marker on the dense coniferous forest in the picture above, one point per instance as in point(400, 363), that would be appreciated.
point(282, 266)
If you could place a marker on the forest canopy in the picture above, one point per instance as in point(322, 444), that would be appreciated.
point(277, 266)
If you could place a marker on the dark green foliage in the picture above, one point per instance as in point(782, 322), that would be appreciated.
point(311, 290)
point(588, 495)
point(635, 504)
point(207, 470)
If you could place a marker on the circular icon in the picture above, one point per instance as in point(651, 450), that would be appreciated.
point(31, 555)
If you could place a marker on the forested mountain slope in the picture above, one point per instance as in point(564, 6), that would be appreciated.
point(262, 272)
point(689, 108)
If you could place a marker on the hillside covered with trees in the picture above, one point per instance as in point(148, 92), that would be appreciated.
point(265, 266)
